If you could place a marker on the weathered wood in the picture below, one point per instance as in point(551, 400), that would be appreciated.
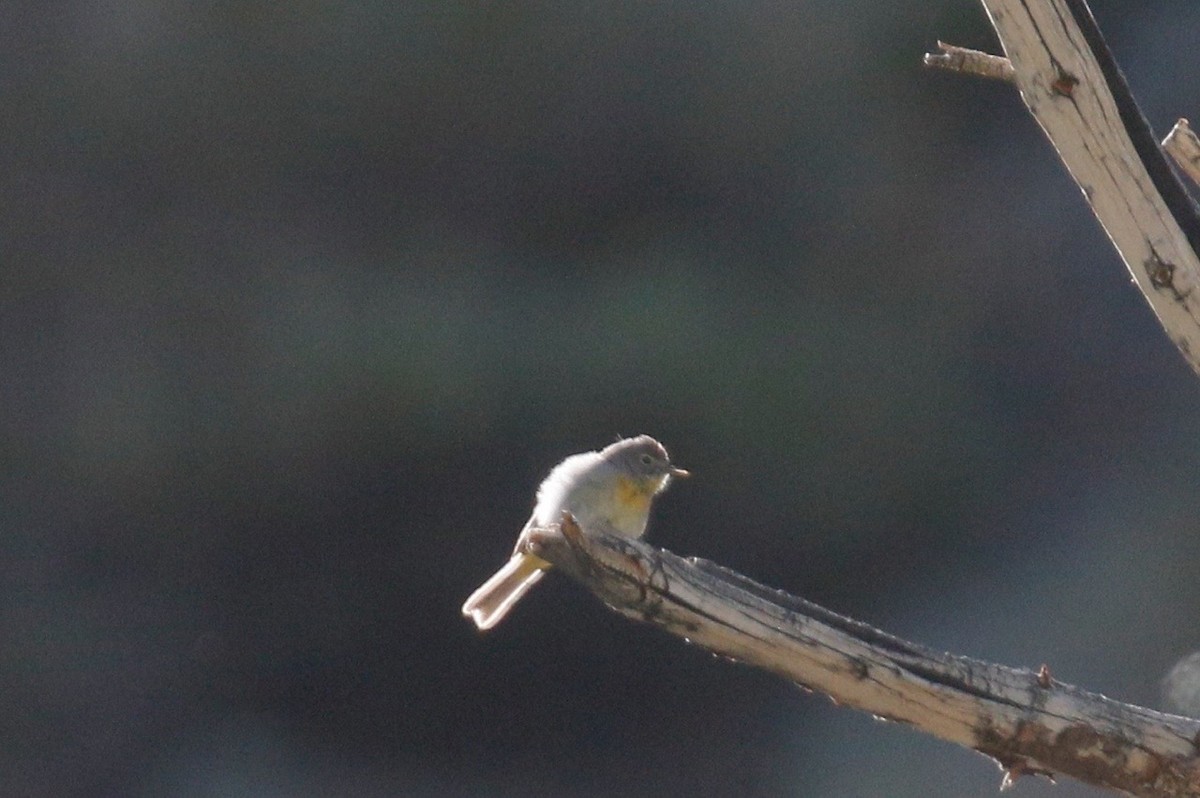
point(1183, 146)
point(971, 62)
point(1072, 86)
point(1026, 720)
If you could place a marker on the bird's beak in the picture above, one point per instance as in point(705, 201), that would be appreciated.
point(680, 473)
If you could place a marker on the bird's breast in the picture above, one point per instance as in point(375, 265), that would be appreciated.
point(619, 503)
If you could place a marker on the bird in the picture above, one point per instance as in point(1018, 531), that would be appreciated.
point(611, 489)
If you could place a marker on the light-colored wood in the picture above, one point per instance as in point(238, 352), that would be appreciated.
point(1026, 720)
point(1064, 88)
point(971, 62)
point(1183, 146)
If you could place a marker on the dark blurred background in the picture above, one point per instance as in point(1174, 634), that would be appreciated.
point(301, 301)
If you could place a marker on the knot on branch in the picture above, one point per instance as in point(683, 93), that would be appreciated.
point(622, 571)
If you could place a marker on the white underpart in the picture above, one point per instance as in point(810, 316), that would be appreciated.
point(553, 495)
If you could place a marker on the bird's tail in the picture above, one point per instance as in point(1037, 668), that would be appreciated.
point(488, 605)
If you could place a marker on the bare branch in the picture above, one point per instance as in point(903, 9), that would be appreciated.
point(1183, 146)
point(971, 62)
point(1026, 720)
point(1072, 86)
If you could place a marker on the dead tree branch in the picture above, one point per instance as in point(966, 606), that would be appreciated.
point(1181, 143)
point(970, 62)
point(1183, 146)
point(1025, 720)
point(1070, 83)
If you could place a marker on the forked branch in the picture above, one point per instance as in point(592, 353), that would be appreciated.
point(1181, 143)
point(1070, 83)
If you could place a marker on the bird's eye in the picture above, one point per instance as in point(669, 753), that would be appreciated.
point(646, 460)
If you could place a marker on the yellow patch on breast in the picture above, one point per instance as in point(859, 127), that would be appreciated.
point(633, 494)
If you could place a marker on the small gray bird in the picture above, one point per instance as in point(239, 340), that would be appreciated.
point(611, 488)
